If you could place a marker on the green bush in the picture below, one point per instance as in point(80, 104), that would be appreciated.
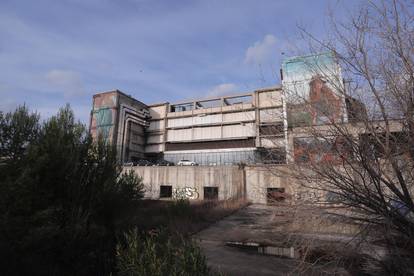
point(159, 254)
point(63, 201)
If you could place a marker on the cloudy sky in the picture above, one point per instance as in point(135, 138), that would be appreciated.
point(54, 52)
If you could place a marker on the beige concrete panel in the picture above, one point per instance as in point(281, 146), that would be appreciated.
point(179, 135)
point(156, 125)
point(272, 142)
point(179, 113)
point(240, 130)
point(207, 119)
point(270, 98)
point(202, 133)
point(239, 116)
point(271, 115)
point(157, 112)
point(180, 122)
point(237, 107)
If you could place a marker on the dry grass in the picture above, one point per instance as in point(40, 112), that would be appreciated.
point(184, 217)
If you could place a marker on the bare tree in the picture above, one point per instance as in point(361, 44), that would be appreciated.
point(362, 158)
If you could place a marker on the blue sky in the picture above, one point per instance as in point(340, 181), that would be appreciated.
point(55, 52)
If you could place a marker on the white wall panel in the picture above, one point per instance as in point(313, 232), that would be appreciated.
point(179, 135)
point(156, 125)
point(202, 133)
point(180, 122)
point(239, 130)
point(207, 119)
point(238, 116)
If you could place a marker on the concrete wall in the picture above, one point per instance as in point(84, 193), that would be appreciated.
point(259, 178)
point(228, 179)
point(232, 181)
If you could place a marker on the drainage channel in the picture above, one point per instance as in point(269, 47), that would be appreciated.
point(287, 252)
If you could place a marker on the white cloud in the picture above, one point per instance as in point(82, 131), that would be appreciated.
point(222, 89)
point(67, 81)
point(262, 51)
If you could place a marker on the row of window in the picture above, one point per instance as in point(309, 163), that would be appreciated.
point(210, 193)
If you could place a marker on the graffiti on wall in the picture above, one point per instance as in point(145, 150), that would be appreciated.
point(309, 83)
point(329, 150)
point(103, 116)
point(185, 193)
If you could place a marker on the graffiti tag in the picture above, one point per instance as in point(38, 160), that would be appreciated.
point(185, 193)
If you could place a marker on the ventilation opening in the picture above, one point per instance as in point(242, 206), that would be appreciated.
point(165, 191)
point(276, 195)
point(211, 193)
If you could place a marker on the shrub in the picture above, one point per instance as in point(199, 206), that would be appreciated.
point(159, 254)
point(63, 202)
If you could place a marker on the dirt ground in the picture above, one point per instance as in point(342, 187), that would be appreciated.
point(266, 225)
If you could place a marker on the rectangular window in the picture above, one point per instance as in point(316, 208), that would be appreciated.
point(275, 195)
point(276, 129)
point(211, 193)
point(165, 191)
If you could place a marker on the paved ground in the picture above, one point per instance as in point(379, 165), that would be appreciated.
point(258, 223)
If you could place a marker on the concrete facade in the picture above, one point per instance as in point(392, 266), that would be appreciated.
point(248, 128)
point(250, 182)
point(236, 138)
point(189, 182)
point(220, 131)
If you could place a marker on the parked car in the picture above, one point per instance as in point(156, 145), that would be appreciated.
point(143, 162)
point(129, 164)
point(185, 162)
point(164, 163)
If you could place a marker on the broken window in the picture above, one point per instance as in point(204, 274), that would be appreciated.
point(211, 193)
point(182, 107)
point(165, 191)
point(272, 129)
point(275, 195)
point(321, 150)
point(208, 104)
point(238, 100)
point(273, 155)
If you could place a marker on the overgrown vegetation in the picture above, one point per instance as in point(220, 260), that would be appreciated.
point(371, 173)
point(160, 254)
point(184, 217)
point(66, 208)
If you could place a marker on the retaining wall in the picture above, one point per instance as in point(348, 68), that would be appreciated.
point(250, 182)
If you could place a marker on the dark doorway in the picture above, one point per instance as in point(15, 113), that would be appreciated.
point(165, 191)
point(276, 195)
point(211, 193)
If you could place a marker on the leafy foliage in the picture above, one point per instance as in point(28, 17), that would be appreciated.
point(63, 202)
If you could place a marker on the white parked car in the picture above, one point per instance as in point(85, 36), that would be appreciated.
point(185, 162)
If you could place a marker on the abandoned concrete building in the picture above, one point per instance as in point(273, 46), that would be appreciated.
point(254, 128)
